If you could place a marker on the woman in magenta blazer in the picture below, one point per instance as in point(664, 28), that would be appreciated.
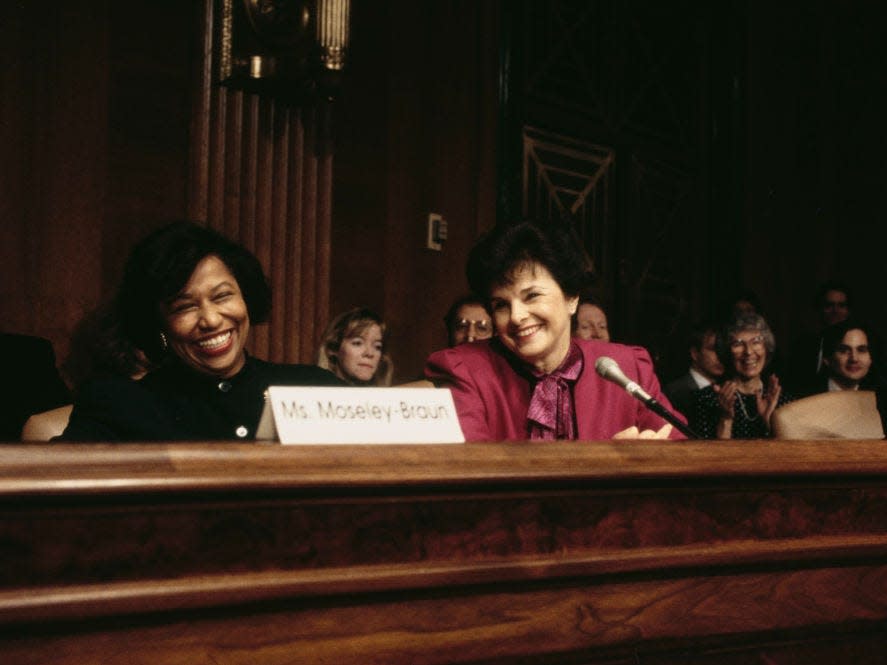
point(533, 380)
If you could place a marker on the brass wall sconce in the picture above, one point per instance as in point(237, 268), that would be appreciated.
point(286, 48)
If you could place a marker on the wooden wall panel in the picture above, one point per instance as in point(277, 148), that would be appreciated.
point(631, 79)
point(111, 126)
point(415, 134)
point(261, 173)
point(94, 150)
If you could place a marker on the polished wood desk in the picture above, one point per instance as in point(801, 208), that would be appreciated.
point(613, 552)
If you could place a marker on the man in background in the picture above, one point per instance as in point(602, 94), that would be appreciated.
point(832, 304)
point(468, 320)
point(705, 369)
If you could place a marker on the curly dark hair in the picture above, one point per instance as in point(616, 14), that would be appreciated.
point(834, 335)
point(500, 252)
point(162, 263)
point(832, 285)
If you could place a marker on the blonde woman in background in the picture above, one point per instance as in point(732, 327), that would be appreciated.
point(353, 348)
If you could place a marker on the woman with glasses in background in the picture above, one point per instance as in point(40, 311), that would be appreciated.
point(741, 406)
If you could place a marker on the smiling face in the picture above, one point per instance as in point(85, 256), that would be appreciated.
point(532, 316)
point(591, 323)
point(851, 360)
point(360, 353)
point(749, 353)
point(207, 322)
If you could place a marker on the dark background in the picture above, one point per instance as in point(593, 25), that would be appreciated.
point(748, 140)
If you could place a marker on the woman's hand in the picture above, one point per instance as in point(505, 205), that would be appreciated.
point(726, 393)
point(634, 433)
point(769, 399)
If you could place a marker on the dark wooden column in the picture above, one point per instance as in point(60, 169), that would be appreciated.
point(261, 172)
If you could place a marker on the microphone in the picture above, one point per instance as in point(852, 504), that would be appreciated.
point(609, 369)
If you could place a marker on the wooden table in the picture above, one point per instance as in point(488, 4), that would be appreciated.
point(613, 552)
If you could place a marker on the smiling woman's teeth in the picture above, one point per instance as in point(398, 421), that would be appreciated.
point(215, 342)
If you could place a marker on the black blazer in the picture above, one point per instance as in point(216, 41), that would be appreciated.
point(33, 381)
point(680, 393)
point(174, 403)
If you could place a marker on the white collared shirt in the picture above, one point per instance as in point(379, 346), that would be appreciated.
point(834, 386)
point(701, 380)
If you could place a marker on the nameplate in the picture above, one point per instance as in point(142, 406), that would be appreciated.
point(301, 414)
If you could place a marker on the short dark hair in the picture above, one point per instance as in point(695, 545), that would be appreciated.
point(585, 299)
point(553, 245)
point(98, 347)
point(699, 331)
point(834, 334)
point(451, 317)
point(162, 263)
point(471, 299)
point(726, 308)
point(832, 285)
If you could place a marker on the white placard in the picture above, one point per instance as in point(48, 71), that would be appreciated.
point(302, 414)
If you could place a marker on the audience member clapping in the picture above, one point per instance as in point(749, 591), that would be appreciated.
point(741, 406)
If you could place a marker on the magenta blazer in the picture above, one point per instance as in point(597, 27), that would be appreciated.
point(492, 395)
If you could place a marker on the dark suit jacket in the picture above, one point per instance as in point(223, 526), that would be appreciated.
point(800, 375)
point(681, 392)
point(34, 380)
point(176, 403)
point(492, 391)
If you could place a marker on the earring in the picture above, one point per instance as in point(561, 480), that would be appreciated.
point(163, 343)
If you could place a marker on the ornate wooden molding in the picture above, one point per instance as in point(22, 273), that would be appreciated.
point(592, 552)
point(567, 177)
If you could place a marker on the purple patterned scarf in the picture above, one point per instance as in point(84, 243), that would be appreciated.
point(551, 412)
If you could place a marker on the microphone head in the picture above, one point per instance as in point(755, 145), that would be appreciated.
point(605, 365)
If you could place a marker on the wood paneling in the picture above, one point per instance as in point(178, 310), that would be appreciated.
point(415, 134)
point(737, 552)
point(118, 128)
point(748, 137)
point(261, 172)
point(632, 80)
point(94, 150)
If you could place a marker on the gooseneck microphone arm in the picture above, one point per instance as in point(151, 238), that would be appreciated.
point(609, 369)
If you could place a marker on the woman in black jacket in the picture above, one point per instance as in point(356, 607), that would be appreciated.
point(187, 301)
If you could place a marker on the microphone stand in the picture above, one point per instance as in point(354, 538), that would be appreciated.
point(660, 410)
